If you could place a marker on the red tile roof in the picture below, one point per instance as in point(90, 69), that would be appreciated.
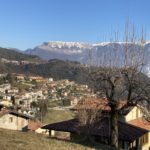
point(141, 122)
point(15, 113)
point(3, 112)
point(127, 132)
point(34, 125)
point(97, 103)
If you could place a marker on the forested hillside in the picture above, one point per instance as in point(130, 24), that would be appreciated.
point(56, 69)
point(14, 55)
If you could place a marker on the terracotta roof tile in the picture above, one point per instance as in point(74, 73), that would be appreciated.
point(34, 125)
point(13, 112)
point(127, 132)
point(97, 103)
point(141, 122)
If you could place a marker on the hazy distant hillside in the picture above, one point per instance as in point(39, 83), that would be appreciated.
point(14, 55)
point(57, 69)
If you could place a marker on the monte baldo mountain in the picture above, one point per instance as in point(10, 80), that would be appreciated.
point(84, 52)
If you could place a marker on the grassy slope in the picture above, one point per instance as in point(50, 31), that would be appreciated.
point(61, 115)
point(57, 115)
point(15, 140)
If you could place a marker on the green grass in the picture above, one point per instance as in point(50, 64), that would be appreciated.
point(53, 116)
point(55, 103)
point(22, 86)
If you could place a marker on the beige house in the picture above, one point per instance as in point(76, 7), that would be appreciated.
point(14, 120)
point(6, 103)
point(135, 117)
point(43, 131)
point(20, 77)
point(73, 101)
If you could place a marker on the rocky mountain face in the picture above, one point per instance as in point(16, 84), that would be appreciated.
point(85, 53)
point(73, 51)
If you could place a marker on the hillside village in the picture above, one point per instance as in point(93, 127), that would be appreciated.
point(26, 99)
point(15, 62)
point(24, 93)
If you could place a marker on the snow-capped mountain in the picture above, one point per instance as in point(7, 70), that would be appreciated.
point(77, 51)
point(60, 50)
point(58, 44)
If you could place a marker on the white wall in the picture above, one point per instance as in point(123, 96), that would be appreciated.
point(133, 114)
point(9, 121)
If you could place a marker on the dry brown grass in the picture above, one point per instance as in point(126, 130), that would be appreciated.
point(15, 140)
point(53, 116)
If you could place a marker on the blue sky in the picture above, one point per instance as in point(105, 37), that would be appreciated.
point(27, 23)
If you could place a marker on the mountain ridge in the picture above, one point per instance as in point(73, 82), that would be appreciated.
point(12, 54)
point(80, 51)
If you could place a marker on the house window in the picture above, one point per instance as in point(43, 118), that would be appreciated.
point(11, 119)
point(144, 139)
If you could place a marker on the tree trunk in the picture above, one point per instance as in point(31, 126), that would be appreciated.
point(114, 127)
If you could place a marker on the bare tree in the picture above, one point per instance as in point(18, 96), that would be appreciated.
point(118, 79)
point(87, 119)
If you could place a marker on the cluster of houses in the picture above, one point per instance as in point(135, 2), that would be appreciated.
point(68, 92)
point(15, 62)
point(14, 97)
point(38, 79)
point(63, 90)
point(16, 112)
point(11, 97)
